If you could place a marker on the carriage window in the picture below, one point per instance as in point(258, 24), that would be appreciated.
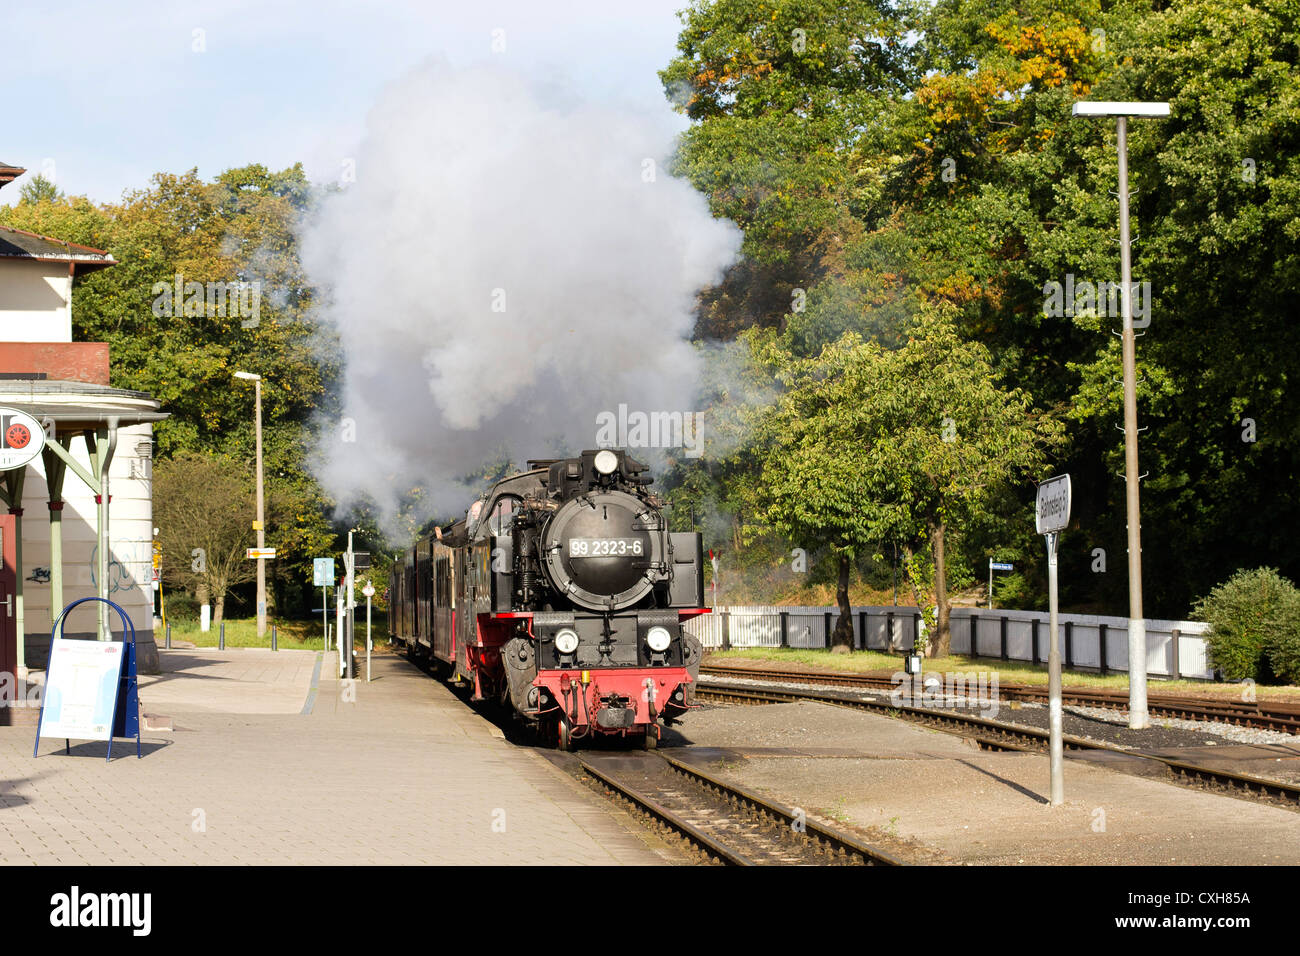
point(503, 514)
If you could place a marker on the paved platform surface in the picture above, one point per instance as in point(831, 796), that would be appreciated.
point(235, 681)
point(396, 771)
point(978, 806)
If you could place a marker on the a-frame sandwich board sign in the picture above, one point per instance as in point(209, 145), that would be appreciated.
point(91, 690)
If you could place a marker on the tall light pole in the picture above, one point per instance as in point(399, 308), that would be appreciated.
point(1137, 637)
point(260, 524)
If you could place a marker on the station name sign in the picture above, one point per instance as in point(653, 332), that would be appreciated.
point(1052, 511)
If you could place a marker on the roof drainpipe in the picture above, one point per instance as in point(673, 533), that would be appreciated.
point(106, 461)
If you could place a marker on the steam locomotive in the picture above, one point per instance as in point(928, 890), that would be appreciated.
point(561, 594)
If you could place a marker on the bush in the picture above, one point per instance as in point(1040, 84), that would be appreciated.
point(181, 608)
point(1283, 646)
point(1254, 620)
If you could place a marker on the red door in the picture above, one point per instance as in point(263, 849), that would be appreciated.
point(8, 623)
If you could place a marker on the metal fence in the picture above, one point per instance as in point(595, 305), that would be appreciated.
point(1175, 649)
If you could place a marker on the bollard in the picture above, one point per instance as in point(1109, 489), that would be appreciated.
point(273, 647)
point(169, 637)
point(221, 637)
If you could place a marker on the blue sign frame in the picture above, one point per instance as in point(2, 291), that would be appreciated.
point(126, 707)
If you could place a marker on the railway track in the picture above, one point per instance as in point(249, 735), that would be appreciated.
point(1282, 717)
point(725, 823)
point(995, 735)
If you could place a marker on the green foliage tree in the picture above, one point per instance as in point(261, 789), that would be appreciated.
point(203, 506)
point(38, 189)
point(240, 228)
point(1254, 620)
point(789, 140)
point(869, 445)
point(955, 173)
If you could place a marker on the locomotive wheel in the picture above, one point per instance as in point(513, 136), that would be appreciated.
point(565, 737)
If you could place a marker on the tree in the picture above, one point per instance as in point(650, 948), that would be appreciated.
point(955, 173)
point(240, 228)
point(38, 189)
point(790, 137)
point(869, 444)
point(203, 506)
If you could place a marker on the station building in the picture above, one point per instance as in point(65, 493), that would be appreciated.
point(50, 514)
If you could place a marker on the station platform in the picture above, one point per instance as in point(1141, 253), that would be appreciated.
point(270, 759)
point(934, 798)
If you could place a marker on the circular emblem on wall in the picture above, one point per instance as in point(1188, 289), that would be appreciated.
point(17, 436)
point(21, 438)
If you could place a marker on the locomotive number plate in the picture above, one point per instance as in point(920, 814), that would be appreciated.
point(605, 547)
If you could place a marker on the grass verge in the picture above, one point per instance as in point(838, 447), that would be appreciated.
point(290, 635)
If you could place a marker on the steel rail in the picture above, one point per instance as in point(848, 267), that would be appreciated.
point(1282, 717)
point(839, 846)
point(992, 734)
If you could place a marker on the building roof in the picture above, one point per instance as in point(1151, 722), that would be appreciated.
point(20, 244)
point(75, 406)
point(9, 173)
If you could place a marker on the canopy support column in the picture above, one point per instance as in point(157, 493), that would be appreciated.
point(12, 494)
point(100, 445)
point(55, 469)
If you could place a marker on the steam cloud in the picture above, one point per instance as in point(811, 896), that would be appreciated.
point(478, 188)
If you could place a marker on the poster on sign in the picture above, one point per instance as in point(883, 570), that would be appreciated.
point(81, 689)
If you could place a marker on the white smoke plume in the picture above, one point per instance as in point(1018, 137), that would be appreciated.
point(510, 262)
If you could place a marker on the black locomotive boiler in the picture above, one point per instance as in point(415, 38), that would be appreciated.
point(562, 594)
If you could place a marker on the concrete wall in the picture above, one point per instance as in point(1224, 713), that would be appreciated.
point(131, 548)
point(1174, 648)
point(35, 302)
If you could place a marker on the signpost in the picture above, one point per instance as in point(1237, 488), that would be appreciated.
point(1051, 515)
point(369, 592)
point(260, 553)
point(996, 566)
point(322, 576)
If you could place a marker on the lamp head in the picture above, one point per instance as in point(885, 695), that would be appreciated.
point(1111, 108)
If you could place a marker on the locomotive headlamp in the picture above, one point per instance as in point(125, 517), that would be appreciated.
point(605, 462)
point(658, 638)
point(566, 641)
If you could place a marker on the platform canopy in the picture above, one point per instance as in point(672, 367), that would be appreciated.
point(67, 410)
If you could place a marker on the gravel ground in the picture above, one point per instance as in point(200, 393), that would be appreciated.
point(933, 791)
point(1092, 723)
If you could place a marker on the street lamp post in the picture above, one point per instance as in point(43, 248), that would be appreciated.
point(260, 524)
point(1137, 638)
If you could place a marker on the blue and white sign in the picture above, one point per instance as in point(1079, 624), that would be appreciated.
point(1001, 566)
point(81, 689)
point(322, 572)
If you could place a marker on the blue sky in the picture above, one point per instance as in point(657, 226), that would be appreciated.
point(108, 94)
